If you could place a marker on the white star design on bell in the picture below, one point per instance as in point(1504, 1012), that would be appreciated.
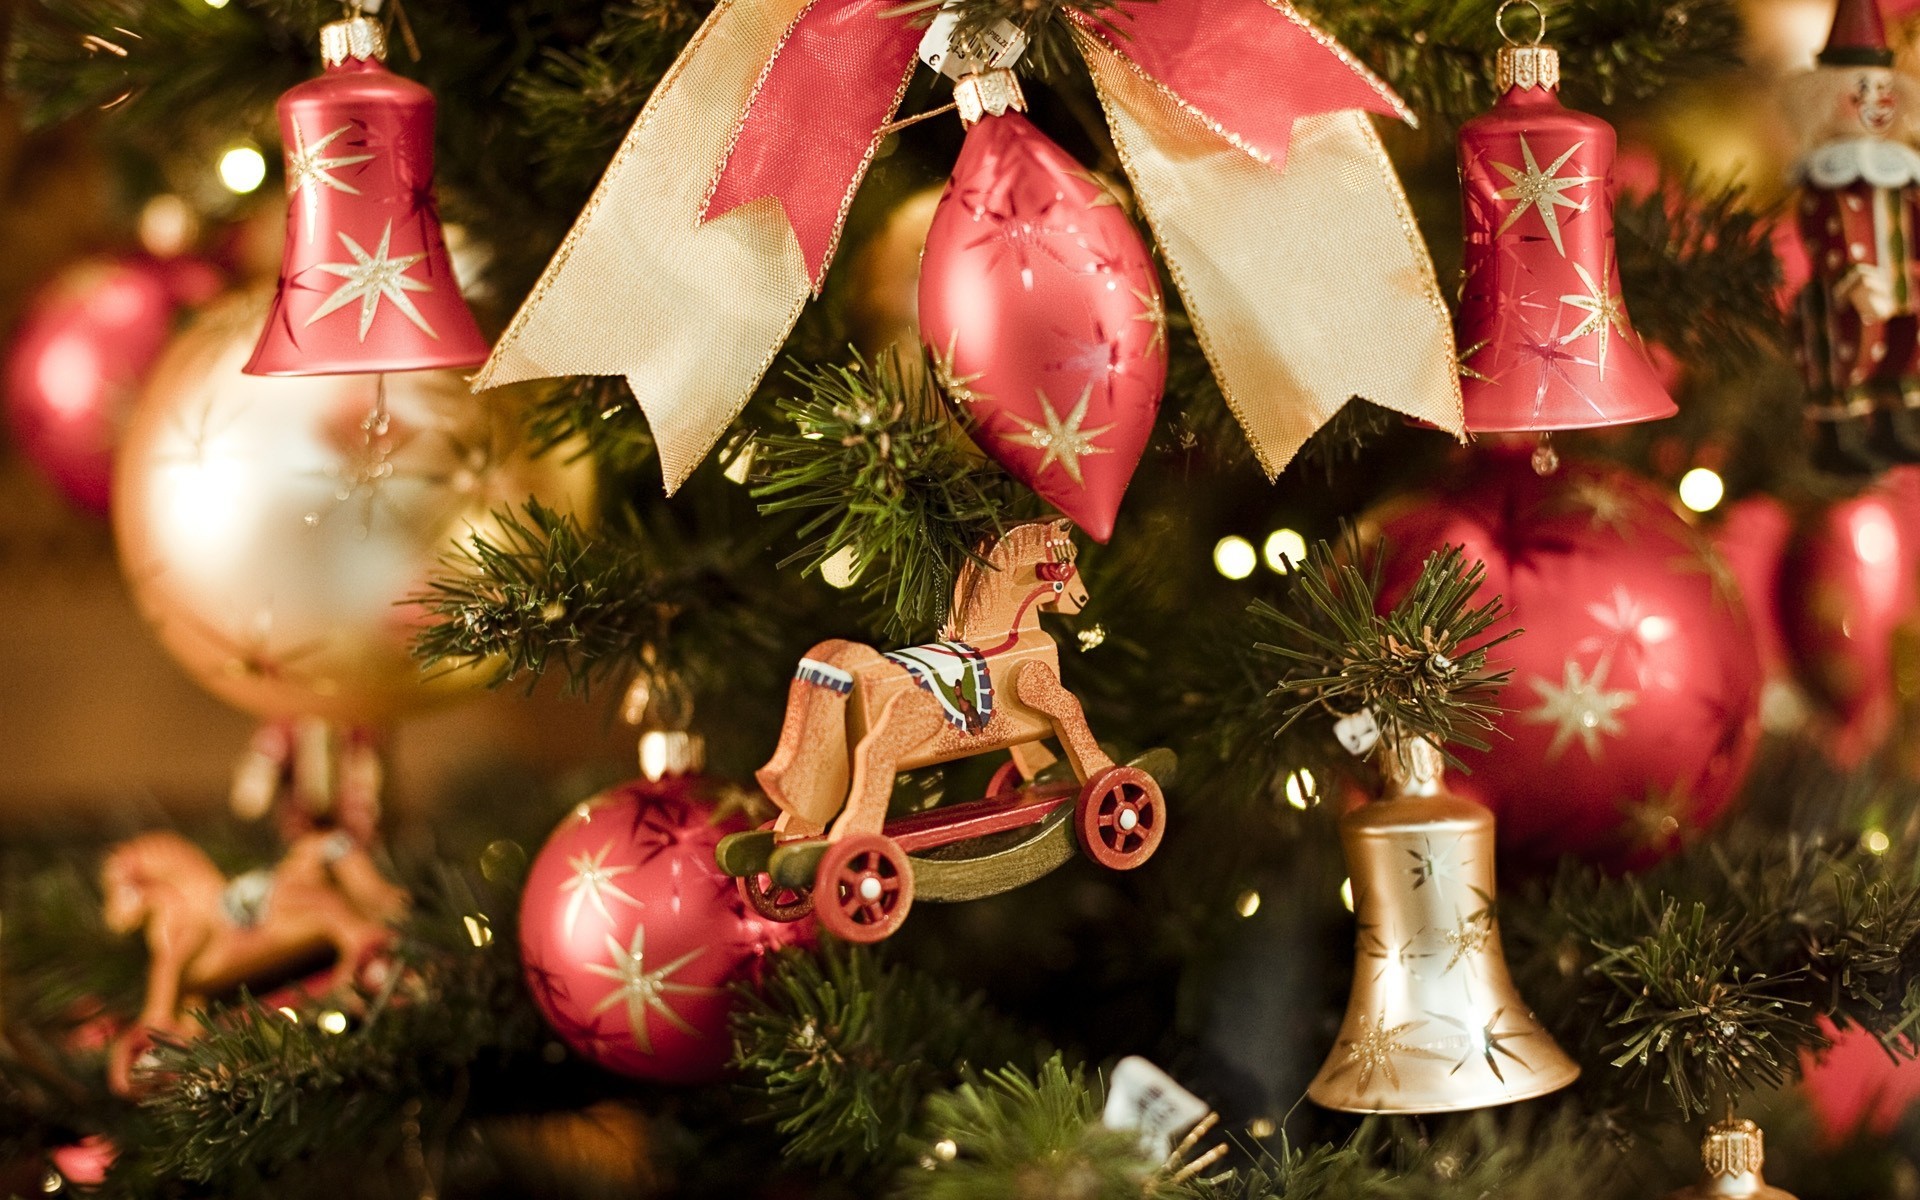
point(310, 168)
point(371, 276)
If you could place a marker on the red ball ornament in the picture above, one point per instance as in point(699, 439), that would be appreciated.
point(631, 937)
point(1849, 583)
point(81, 356)
point(1040, 303)
point(365, 281)
point(1632, 710)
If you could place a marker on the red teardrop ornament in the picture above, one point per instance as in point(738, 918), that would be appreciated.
point(1040, 302)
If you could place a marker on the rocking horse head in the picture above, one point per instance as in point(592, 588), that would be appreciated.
point(1029, 569)
point(137, 869)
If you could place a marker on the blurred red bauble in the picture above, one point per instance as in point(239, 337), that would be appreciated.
point(631, 937)
point(1856, 1087)
point(1632, 710)
point(81, 356)
point(1040, 303)
point(1847, 587)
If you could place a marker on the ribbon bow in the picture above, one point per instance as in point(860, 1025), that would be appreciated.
point(1242, 127)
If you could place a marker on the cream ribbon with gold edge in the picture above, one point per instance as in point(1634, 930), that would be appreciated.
point(1306, 286)
point(691, 313)
point(1242, 129)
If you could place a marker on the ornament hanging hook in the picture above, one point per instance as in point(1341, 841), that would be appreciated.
point(1540, 21)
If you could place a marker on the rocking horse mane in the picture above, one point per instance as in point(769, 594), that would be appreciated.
point(979, 588)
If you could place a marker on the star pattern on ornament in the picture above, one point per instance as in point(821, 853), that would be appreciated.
point(1630, 626)
point(1460, 361)
point(592, 882)
point(1468, 937)
point(1103, 355)
point(1025, 240)
point(366, 469)
point(251, 654)
point(1655, 823)
point(1580, 706)
point(1605, 506)
point(1377, 1048)
point(1703, 558)
point(1389, 956)
point(370, 278)
point(1554, 358)
point(1432, 866)
point(1544, 192)
point(1153, 312)
point(959, 388)
point(1064, 442)
point(642, 991)
point(659, 827)
point(310, 168)
point(1606, 312)
point(1487, 1043)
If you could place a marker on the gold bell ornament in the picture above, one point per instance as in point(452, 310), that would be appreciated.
point(1732, 1153)
point(1434, 1023)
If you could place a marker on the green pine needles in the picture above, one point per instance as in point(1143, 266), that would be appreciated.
point(1420, 667)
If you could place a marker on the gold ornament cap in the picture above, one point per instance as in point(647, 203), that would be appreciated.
point(1528, 65)
point(660, 705)
point(1732, 1152)
point(356, 37)
point(987, 94)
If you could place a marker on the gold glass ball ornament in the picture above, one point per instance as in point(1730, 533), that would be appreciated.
point(272, 530)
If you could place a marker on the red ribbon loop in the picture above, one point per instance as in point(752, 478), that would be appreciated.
point(810, 129)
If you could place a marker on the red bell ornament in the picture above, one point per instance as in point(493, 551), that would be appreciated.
point(1545, 342)
point(1042, 309)
point(365, 282)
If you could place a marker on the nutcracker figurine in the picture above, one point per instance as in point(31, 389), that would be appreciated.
point(1859, 176)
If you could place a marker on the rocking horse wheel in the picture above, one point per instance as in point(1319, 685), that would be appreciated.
point(774, 901)
point(1120, 818)
point(863, 888)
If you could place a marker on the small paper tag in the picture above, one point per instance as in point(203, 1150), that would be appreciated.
point(1143, 1099)
point(999, 46)
point(1357, 732)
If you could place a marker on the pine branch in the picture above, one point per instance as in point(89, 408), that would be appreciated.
point(1420, 667)
point(597, 410)
point(1438, 54)
point(540, 593)
point(1704, 977)
point(1698, 261)
point(259, 1094)
point(841, 1049)
point(883, 478)
point(1011, 1134)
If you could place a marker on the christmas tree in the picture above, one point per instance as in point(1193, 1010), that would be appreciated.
point(1098, 582)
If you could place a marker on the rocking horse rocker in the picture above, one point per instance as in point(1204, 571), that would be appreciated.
point(856, 717)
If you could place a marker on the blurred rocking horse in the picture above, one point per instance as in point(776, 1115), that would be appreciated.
point(857, 717)
point(207, 935)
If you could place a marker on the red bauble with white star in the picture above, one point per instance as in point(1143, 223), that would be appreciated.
point(632, 938)
point(1632, 712)
point(1042, 309)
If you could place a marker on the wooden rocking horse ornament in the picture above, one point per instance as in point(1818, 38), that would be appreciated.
point(207, 934)
point(856, 717)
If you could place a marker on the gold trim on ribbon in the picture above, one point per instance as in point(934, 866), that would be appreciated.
point(1308, 286)
point(691, 314)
